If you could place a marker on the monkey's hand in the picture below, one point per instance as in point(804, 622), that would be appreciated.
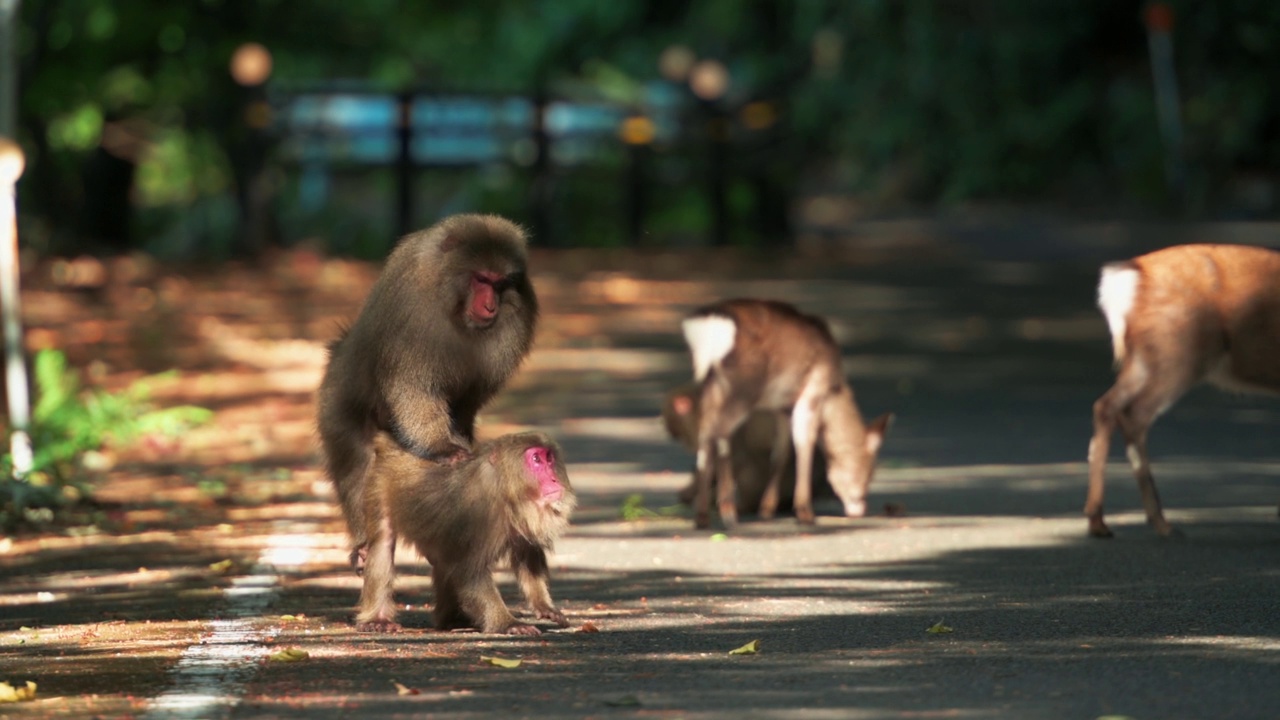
point(358, 555)
point(554, 616)
point(523, 629)
point(459, 454)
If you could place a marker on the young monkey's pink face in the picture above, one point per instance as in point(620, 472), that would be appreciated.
point(540, 462)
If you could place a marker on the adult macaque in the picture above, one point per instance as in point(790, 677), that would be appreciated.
point(753, 355)
point(446, 324)
point(755, 449)
point(507, 503)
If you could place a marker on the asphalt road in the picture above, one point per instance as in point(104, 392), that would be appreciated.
point(991, 365)
point(990, 352)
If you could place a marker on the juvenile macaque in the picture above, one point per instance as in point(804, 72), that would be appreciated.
point(509, 502)
point(446, 324)
point(751, 355)
point(754, 449)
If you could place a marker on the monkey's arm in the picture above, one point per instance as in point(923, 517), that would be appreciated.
point(479, 599)
point(530, 564)
point(421, 424)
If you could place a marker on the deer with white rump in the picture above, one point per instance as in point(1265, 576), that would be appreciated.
point(1180, 316)
point(766, 355)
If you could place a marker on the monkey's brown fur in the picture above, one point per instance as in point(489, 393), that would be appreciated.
point(762, 442)
point(446, 324)
point(465, 519)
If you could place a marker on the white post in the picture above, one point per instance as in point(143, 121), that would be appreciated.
point(15, 375)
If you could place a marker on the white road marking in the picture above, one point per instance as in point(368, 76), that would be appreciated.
point(209, 678)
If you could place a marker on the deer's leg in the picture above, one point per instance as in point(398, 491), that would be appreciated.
point(1135, 423)
point(719, 418)
point(1104, 424)
point(804, 435)
point(779, 454)
point(1142, 392)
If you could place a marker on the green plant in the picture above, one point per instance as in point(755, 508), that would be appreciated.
point(67, 422)
point(633, 509)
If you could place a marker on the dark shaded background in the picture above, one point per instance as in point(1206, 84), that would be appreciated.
point(138, 137)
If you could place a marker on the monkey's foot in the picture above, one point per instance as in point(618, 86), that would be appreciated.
point(702, 521)
point(379, 626)
point(554, 616)
point(804, 515)
point(523, 629)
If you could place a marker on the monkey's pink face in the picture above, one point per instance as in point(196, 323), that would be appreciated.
point(541, 464)
point(485, 287)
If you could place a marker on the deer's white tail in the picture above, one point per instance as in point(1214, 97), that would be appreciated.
point(1116, 292)
point(710, 339)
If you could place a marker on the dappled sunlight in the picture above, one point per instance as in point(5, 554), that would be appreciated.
point(1262, 648)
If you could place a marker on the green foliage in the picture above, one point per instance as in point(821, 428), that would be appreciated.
point(67, 423)
point(633, 509)
point(923, 102)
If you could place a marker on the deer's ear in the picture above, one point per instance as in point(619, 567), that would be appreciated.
point(876, 432)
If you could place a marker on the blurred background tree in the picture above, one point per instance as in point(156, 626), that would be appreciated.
point(138, 136)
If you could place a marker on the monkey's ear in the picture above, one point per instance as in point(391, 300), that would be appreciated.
point(682, 404)
point(449, 243)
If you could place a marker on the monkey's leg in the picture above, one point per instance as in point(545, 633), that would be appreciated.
point(530, 564)
point(347, 462)
point(479, 598)
point(446, 612)
point(377, 603)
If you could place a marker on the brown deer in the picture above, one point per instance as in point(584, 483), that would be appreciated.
point(766, 355)
point(1177, 317)
point(755, 449)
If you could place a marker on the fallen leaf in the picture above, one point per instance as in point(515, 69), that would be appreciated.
point(403, 690)
point(719, 537)
point(938, 628)
point(222, 566)
point(750, 648)
point(292, 618)
point(589, 627)
point(500, 662)
point(624, 701)
point(289, 655)
point(22, 693)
